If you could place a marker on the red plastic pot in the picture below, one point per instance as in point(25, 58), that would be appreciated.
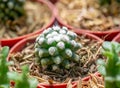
point(20, 45)
point(117, 38)
point(11, 42)
point(105, 35)
point(63, 85)
point(53, 1)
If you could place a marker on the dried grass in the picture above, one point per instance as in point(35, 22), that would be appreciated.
point(88, 14)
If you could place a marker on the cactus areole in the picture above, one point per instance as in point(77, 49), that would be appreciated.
point(56, 48)
point(11, 10)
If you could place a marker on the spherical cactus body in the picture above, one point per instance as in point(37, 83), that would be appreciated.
point(56, 48)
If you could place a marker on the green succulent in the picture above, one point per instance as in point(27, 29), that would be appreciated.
point(11, 10)
point(111, 69)
point(4, 79)
point(56, 48)
point(22, 80)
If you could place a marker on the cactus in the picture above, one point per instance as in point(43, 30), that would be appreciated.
point(111, 69)
point(4, 79)
point(21, 79)
point(11, 10)
point(56, 48)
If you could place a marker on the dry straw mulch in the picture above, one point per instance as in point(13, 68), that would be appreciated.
point(89, 53)
point(95, 81)
point(88, 14)
point(37, 16)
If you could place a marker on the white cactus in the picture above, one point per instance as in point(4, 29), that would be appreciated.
point(58, 45)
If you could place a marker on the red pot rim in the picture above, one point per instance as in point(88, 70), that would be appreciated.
point(113, 30)
point(50, 6)
point(76, 31)
point(117, 38)
point(43, 85)
point(22, 42)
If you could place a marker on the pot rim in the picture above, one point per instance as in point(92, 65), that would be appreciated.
point(52, 18)
point(76, 31)
point(74, 83)
point(20, 43)
point(117, 38)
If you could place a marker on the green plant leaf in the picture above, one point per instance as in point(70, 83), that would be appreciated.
point(101, 69)
point(118, 81)
point(110, 79)
point(118, 78)
point(116, 46)
point(100, 62)
point(5, 86)
point(107, 46)
point(4, 66)
point(13, 76)
point(111, 69)
point(118, 63)
point(5, 51)
point(108, 54)
point(33, 82)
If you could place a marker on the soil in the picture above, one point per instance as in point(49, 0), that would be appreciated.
point(89, 14)
point(95, 81)
point(37, 16)
point(89, 53)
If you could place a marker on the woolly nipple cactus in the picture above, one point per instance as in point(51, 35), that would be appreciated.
point(11, 10)
point(110, 69)
point(56, 48)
